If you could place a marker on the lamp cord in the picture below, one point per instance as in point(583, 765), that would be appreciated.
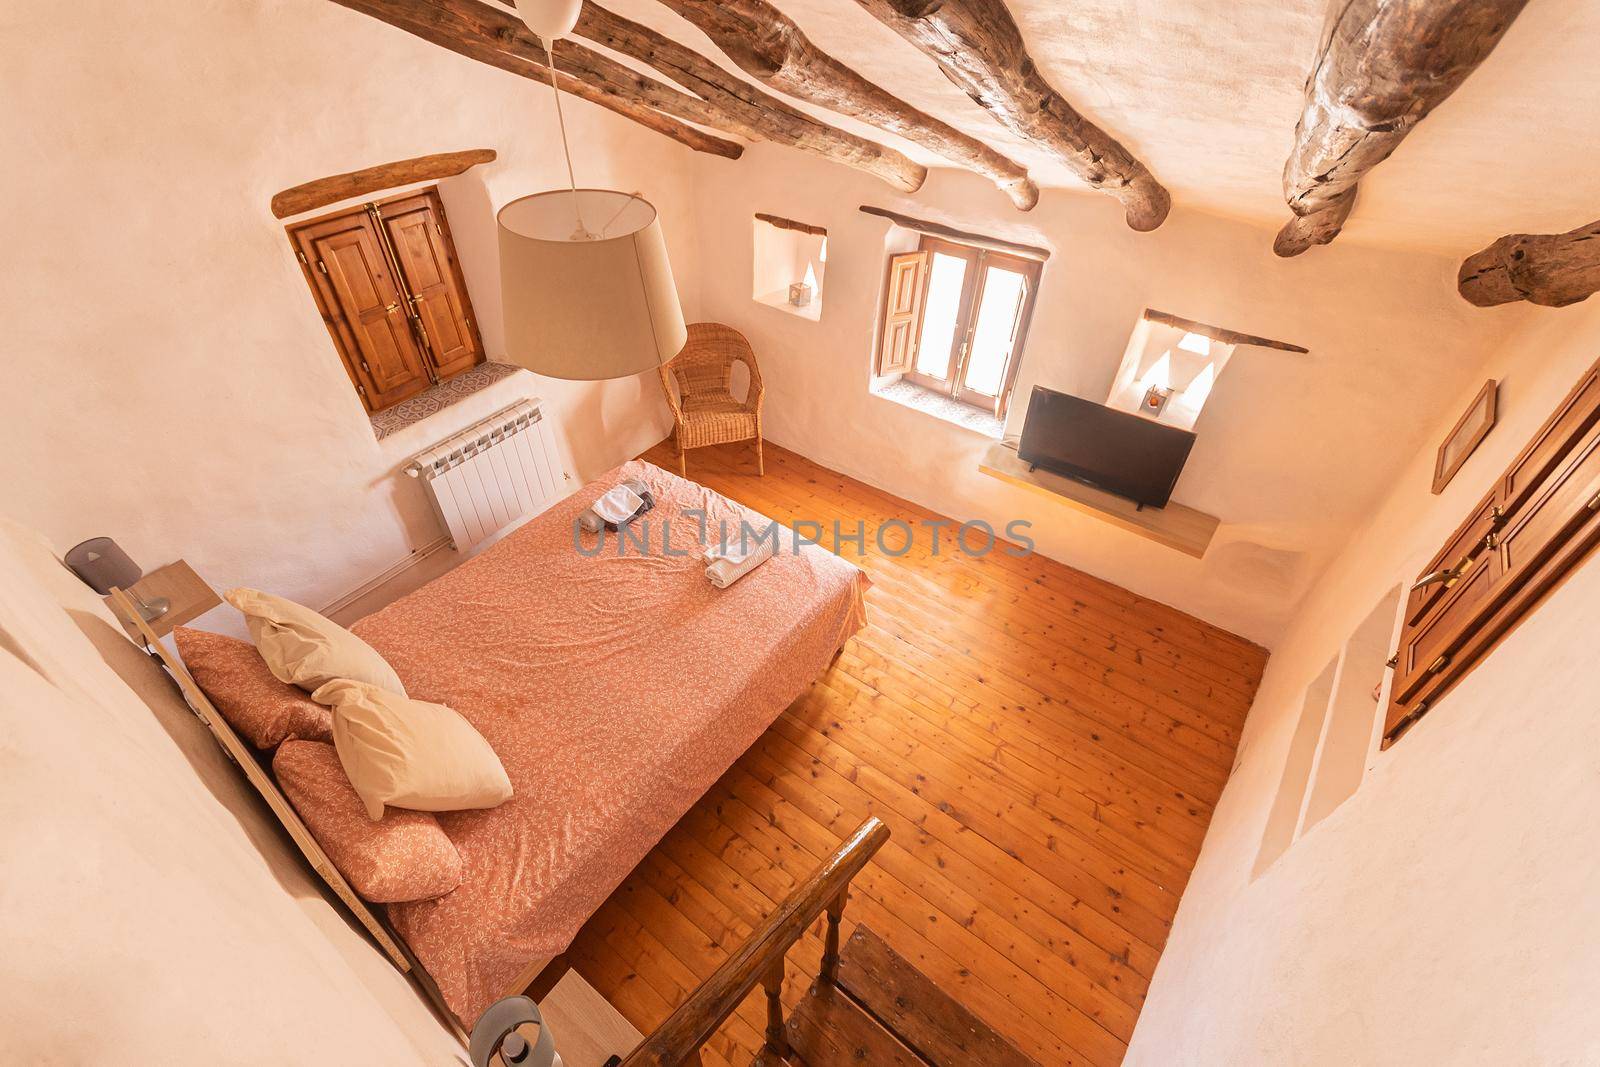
point(561, 120)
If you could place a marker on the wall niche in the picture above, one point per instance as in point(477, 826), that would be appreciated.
point(790, 259)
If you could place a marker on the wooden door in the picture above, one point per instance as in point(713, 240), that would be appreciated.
point(364, 308)
point(1540, 521)
point(902, 312)
point(436, 290)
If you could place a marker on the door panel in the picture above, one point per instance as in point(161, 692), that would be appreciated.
point(902, 312)
point(1559, 506)
point(1578, 412)
point(416, 230)
point(1435, 638)
point(365, 309)
point(1541, 520)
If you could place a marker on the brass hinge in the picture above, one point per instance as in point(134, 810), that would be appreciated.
point(1594, 503)
point(323, 267)
point(361, 388)
point(302, 256)
point(365, 368)
point(1439, 664)
point(437, 230)
point(1393, 661)
point(1412, 716)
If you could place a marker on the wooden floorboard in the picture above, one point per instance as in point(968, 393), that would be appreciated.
point(1045, 747)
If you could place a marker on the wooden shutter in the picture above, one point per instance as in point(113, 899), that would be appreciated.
point(902, 312)
point(362, 304)
point(437, 293)
point(1540, 521)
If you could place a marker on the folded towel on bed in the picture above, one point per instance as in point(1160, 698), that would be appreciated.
point(727, 564)
point(617, 506)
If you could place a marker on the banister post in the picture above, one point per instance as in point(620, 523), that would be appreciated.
point(777, 1041)
point(830, 944)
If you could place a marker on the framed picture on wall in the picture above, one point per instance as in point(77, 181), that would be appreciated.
point(1470, 430)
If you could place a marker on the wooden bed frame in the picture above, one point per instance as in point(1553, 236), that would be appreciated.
point(535, 979)
point(249, 761)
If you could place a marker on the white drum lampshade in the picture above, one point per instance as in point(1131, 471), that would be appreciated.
point(586, 285)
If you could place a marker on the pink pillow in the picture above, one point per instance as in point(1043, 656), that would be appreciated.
point(403, 856)
point(236, 678)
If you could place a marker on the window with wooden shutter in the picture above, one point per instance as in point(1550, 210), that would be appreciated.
point(955, 319)
point(388, 284)
point(1539, 521)
point(902, 312)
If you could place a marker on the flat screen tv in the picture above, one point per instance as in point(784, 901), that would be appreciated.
point(1122, 453)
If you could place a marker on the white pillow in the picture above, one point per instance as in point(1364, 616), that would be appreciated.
point(305, 649)
point(409, 753)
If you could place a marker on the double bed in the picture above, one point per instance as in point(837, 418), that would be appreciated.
point(616, 684)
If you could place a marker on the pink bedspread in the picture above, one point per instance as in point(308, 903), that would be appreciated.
point(616, 690)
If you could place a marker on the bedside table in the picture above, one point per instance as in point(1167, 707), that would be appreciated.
point(188, 593)
point(587, 1029)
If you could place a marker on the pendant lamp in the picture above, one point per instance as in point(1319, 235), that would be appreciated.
point(585, 283)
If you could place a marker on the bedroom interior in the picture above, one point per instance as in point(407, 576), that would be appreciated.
point(800, 532)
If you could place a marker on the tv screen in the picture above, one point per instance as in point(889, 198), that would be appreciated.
point(1119, 452)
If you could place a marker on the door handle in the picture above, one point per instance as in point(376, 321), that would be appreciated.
point(1447, 575)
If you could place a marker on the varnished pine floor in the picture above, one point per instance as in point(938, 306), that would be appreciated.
point(1045, 748)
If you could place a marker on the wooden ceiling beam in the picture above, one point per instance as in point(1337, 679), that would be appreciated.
point(448, 25)
point(978, 46)
point(1551, 269)
point(767, 45)
point(1383, 65)
point(746, 108)
point(309, 196)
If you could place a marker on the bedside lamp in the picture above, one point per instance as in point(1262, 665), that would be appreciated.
point(102, 565)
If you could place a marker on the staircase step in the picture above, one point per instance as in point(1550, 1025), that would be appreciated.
point(925, 1017)
point(828, 1029)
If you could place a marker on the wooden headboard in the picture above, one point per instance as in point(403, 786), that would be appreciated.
point(246, 759)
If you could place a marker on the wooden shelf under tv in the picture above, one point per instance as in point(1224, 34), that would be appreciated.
point(1182, 528)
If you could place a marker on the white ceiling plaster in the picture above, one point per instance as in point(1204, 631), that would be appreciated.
point(1207, 93)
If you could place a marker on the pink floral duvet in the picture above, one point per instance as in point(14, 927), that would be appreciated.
point(616, 689)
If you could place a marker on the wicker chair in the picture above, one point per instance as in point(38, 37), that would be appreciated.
point(708, 413)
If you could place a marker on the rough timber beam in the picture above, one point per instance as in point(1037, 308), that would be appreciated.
point(1553, 269)
point(978, 46)
point(766, 44)
point(1382, 67)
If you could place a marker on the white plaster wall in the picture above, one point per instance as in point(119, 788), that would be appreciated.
point(169, 382)
point(1293, 449)
point(1446, 913)
point(152, 910)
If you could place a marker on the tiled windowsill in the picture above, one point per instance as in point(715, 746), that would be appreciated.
point(436, 398)
point(941, 407)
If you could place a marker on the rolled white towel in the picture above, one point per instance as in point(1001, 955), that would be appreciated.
point(724, 566)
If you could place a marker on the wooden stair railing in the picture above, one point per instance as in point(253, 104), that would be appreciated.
point(679, 1039)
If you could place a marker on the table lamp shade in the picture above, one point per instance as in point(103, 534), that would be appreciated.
point(586, 286)
point(103, 565)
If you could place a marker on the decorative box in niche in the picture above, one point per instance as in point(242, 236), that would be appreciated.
point(800, 294)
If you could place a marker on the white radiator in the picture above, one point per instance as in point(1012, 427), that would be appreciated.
point(497, 472)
